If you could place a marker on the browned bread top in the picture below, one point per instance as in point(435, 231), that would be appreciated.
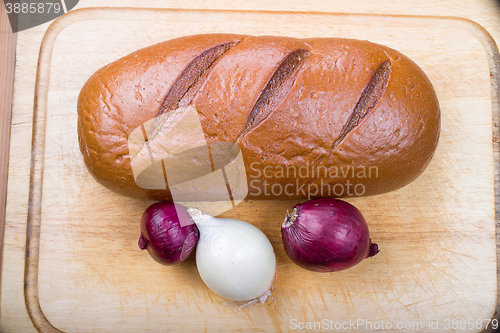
point(323, 104)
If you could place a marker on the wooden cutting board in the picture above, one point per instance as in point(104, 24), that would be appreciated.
point(437, 264)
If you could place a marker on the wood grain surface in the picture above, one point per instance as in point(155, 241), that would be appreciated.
point(90, 273)
point(7, 62)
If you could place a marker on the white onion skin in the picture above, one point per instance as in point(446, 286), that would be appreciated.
point(234, 258)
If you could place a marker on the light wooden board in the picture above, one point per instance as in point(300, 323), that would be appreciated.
point(437, 235)
point(7, 57)
point(437, 261)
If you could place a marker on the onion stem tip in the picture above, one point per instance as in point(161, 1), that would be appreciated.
point(373, 250)
point(195, 214)
point(143, 243)
point(290, 219)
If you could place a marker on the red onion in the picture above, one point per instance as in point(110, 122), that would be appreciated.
point(326, 235)
point(162, 234)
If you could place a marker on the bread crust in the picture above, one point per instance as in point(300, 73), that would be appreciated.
point(391, 144)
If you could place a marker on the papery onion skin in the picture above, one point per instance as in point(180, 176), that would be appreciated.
point(234, 258)
point(163, 236)
point(326, 235)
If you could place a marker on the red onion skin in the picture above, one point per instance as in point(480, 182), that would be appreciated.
point(327, 235)
point(163, 236)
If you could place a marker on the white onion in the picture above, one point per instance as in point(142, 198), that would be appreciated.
point(234, 258)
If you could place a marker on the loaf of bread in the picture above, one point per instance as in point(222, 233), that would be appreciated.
point(319, 117)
